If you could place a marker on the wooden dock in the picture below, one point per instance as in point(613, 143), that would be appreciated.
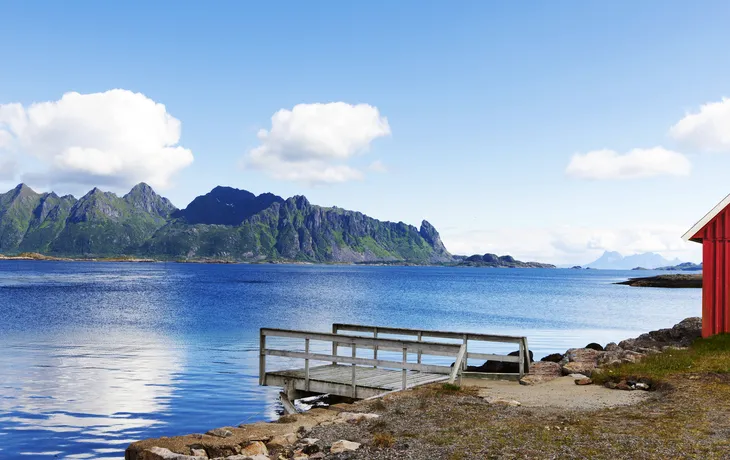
point(360, 377)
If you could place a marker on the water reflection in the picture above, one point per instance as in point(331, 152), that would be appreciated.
point(96, 393)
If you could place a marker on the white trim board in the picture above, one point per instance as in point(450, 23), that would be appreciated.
point(706, 220)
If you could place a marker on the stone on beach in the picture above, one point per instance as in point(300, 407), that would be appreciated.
point(221, 432)
point(255, 448)
point(354, 417)
point(540, 372)
point(284, 440)
point(344, 446)
point(160, 453)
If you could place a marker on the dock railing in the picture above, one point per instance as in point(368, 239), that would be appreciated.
point(458, 351)
point(464, 337)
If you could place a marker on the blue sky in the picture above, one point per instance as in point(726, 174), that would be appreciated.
point(484, 105)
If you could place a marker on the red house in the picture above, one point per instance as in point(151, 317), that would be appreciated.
point(713, 231)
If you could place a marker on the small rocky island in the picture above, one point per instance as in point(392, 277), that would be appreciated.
point(666, 281)
point(495, 261)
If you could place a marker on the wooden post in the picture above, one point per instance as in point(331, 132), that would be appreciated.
point(262, 358)
point(335, 330)
point(306, 365)
point(527, 352)
point(375, 347)
point(420, 339)
point(354, 382)
point(466, 356)
point(405, 372)
point(522, 359)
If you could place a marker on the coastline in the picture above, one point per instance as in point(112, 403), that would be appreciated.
point(556, 414)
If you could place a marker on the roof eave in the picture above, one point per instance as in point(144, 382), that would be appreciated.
point(691, 234)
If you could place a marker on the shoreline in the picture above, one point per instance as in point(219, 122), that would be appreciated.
point(558, 388)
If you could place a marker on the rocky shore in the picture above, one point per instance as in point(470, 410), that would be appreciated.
point(592, 360)
point(365, 429)
point(666, 281)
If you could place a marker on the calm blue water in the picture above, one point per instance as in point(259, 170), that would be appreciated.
point(96, 355)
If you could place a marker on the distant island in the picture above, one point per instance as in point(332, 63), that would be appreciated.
point(226, 225)
point(612, 260)
point(494, 261)
point(686, 266)
point(666, 281)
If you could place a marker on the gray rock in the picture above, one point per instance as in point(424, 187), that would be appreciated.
point(344, 446)
point(220, 432)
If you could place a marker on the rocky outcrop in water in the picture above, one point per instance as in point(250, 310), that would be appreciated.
point(666, 281)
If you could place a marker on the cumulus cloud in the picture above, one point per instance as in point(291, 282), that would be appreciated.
point(117, 137)
point(8, 169)
point(707, 130)
point(312, 143)
point(637, 163)
point(571, 244)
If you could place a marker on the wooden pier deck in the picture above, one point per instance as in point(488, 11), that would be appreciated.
point(358, 377)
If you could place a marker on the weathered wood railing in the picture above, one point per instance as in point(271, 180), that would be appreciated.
point(464, 337)
point(458, 351)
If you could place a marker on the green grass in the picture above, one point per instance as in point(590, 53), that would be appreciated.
point(711, 355)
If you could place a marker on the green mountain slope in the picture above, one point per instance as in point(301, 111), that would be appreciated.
point(224, 224)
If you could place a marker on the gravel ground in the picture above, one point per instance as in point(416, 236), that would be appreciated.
point(690, 418)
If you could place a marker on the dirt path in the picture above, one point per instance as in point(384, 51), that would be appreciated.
point(561, 393)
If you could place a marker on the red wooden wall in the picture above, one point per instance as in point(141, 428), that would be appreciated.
point(716, 274)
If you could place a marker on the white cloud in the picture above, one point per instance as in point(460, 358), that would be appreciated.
point(8, 169)
point(313, 142)
point(707, 130)
point(637, 163)
point(116, 137)
point(573, 245)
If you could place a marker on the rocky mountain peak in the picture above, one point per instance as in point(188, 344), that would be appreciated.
point(226, 206)
point(143, 198)
point(428, 232)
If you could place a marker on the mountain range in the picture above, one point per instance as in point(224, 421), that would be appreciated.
point(225, 223)
point(612, 260)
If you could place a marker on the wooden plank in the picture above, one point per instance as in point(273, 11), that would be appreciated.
point(262, 359)
point(491, 357)
point(289, 408)
point(456, 368)
point(490, 376)
point(361, 342)
point(362, 361)
point(429, 333)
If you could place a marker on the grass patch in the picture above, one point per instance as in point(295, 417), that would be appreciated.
point(711, 355)
point(450, 387)
point(378, 405)
point(383, 440)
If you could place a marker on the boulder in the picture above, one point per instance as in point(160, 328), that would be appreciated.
point(159, 453)
point(284, 440)
point(344, 446)
point(198, 452)
point(553, 358)
point(502, 367)
point(594, 346)
point(584, 381)
point(540, 372)
point(580, 361)
point(682, 334)
point(221, 432)
point(255, 448)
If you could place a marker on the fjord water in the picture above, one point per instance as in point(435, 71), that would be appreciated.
point(96, 355)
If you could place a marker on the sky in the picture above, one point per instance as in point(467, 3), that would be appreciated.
point(551, 131)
